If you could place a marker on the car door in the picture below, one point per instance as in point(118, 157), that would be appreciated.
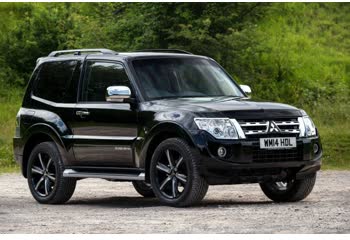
point(104, 132)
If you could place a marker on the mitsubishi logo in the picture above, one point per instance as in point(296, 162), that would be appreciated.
point(272, 127)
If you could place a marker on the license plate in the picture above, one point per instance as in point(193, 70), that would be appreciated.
point(278, 143)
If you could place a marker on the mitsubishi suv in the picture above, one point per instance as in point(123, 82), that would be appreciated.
point(169, 121)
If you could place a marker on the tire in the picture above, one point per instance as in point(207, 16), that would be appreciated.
point(45, 175)
point(143, 188)
point(291, 191)
point(174, 174)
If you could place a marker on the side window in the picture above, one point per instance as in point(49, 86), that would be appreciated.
point(55, 81)
point(101, 75)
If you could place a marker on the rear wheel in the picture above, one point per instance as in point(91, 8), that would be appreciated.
point(289, 191)
point(45, 175)
point(174, 174)
point(143, 188)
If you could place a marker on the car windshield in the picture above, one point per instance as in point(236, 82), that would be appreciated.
point(183, 77)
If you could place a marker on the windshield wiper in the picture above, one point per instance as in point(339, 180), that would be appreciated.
point(221, 97)
point(228, 98)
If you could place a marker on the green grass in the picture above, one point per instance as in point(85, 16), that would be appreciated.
point(10, 102)
point(336, 146)
point(333, 124)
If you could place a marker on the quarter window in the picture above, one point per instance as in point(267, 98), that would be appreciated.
point(56, 81)
point(100, 76)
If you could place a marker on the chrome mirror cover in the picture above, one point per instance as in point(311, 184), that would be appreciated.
point(246, 89)
point(117, 93)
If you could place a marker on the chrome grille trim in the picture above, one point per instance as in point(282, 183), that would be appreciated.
point(288, 126)
point(248, 124)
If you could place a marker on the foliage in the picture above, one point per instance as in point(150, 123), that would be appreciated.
point(10, 101)
point(297, 53)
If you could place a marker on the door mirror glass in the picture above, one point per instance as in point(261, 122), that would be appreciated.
point(246, 89)
point(117, 93)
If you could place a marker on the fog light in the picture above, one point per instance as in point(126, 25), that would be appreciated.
point(222, 152)
point(316, 148)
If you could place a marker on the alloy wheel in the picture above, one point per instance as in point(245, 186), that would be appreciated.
point(43, 174)
point(171, 174)
point(284, 185)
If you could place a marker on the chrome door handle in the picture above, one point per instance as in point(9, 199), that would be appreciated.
point(82, 113)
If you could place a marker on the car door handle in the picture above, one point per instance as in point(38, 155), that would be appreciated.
point(82, 113)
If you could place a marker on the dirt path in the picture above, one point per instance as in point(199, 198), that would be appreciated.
point(100, 206)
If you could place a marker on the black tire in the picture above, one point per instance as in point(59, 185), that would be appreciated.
point(45, 176)
point(176, 162)
point(293, 190)
point(143, 188)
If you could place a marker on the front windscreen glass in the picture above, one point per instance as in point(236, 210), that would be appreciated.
point(183, 77)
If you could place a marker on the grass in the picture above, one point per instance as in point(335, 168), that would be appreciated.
point(336, 146)
point(10, 102)
point(333, 124)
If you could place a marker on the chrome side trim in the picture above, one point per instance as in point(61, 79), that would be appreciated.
point(54, 104)
point(70, 173)
point(88, 137)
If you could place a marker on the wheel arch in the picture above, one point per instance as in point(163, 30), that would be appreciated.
point(35, 135)
point(158, 134)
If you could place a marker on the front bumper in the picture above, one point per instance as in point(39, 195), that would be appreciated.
point(245, 162)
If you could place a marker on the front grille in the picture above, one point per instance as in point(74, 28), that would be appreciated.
point(283, 155)
point(253, 128)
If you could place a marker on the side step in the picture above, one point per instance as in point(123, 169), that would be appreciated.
point(114, 176)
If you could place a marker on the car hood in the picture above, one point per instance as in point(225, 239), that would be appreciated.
point(226, 107)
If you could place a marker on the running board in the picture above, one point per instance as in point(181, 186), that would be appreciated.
point(70, 173)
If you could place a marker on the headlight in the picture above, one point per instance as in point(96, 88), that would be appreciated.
point(306, 125)
point(220, 128)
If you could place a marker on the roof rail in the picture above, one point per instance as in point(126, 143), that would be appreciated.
point(80, 51)
point(164, 50)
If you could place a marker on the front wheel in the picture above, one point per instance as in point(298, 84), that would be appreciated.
point(289, 191)
point(174, 174)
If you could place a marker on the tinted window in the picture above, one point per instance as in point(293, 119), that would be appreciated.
point(99, 76)
point(55, 81)
point(183, 77)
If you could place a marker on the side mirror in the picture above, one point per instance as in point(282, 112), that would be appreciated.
point(246, 89)
point(117, 93)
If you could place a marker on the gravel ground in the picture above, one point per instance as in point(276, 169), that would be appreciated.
point(99, 206)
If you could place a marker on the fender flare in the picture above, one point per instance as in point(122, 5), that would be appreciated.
point(43, 128)
point(168, 127)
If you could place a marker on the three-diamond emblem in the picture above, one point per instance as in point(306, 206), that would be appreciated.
point(272, 127)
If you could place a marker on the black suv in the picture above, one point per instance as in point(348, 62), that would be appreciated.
point(167, 120)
